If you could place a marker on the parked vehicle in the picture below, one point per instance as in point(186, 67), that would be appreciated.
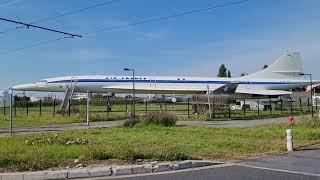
point(316, 99)
point(251, 105)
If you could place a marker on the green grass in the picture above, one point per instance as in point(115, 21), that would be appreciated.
point(152, 142)
point(33, 118)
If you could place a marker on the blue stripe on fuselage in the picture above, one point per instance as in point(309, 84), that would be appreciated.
point(166, 81)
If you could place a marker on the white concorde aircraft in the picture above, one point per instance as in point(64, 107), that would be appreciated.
point(284, 74)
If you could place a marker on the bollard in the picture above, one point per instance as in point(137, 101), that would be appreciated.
point(289, 140)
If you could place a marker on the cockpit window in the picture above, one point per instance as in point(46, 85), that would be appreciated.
point(45, 81)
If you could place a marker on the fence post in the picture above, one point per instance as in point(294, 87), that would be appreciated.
point(54, 107)
point(165, 106)
point(146, 107)
point(281, 105)
point(244, 108)
point(15, 106)
point(229, 111)
point(291, 108)
point(126, 100)
point(188, 107)
point(258, 102)
point(108, 105)
point(300, 105)
point(270, 106)
point(308, 104)
point(10, 116)
point(69, 108)
point(27, 107)
point(213, 109)
point(4, 107)
point(316, 104)
point(40, 104)
point(88, 115)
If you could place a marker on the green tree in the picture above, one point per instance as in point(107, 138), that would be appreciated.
point(229, 74)
point(265, 66)
point(222, 71)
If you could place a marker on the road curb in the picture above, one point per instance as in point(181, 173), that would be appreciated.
point(107, 171)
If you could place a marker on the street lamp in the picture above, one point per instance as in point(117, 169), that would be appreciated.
point(133, 109)
point(311, 91)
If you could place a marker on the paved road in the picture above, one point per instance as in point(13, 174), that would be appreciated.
point(64, 127)
point(300, 165)
point(305, 160)
point(234, 172)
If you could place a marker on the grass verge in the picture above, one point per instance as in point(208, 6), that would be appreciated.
point(151, 142)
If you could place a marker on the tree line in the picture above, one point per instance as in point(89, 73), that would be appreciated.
point(224, 72)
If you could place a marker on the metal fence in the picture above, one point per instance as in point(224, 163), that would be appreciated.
point(45, 112)
point(108, 109)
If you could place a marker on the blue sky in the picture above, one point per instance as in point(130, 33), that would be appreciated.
point(244, 37)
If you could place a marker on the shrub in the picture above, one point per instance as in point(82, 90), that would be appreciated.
point(130, 122)
point(160, 118)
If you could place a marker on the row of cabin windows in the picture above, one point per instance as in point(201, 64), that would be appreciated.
point(127, 78)
point(138, 78)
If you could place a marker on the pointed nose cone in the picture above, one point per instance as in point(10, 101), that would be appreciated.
point(24, 87)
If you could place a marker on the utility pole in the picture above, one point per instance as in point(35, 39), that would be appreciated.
point(133, 92)
point(208, 93)
point(311, 90)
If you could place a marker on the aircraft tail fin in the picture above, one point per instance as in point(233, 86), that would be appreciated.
point(287, 66)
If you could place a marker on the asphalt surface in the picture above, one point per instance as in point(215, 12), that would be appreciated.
point(223, 173)
point(299, 165)
point(103, 124)
point(305, 160)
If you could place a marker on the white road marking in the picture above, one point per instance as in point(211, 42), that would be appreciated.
point(278, 170)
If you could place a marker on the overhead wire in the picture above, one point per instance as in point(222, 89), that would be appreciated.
point(63, 14)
